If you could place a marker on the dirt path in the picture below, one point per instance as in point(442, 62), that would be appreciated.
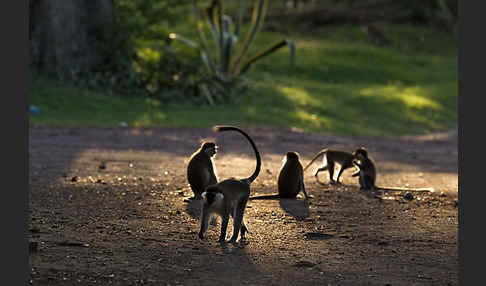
point(106, 208)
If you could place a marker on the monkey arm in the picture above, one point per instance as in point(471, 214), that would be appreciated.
point(213, 179)
point(302, 186)
point(356, 174)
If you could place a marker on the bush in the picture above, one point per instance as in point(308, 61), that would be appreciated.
point(223, 58)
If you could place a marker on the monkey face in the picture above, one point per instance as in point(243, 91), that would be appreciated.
point(210, 148)
point(213, 150)
point(360, 153)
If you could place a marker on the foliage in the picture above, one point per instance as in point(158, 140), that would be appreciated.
point(136, 61)
point(342, 85)
point(223, 58)
point(435, 11)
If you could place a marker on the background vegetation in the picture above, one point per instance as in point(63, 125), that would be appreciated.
point(345, 80)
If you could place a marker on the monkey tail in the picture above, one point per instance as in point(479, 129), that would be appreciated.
point(398, 189)
point(257, 154)
point(265, 197)
point(315, 158)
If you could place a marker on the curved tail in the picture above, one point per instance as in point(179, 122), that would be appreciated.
point(264, 197)
point(257, 154)
point(398, 189)
point(315, 158)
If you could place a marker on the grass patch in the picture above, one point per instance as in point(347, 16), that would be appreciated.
point(341, 84)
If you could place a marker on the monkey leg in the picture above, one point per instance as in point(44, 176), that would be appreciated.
point(320, 169)
point(238, 220)
point(362, 183)
point(224, 226)
point(341, 169)
point(302, 187)
point(368, 183)
point(204, 223)
point(243, 230)
point(330, 168)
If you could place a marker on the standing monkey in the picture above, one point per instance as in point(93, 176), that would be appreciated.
point(229, 197)
point(329, 159)
point(290, 180)
point(367, 174)
point(201, 170)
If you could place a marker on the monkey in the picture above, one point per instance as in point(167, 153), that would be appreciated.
point(290, 179)
point(201, 170)
point(376, 35)
point(229, 197)
point(330, 157)
point(367, 174)
point(366, 169)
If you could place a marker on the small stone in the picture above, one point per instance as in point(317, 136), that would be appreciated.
point(408, 196)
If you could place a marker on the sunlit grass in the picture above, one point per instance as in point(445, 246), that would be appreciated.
point(341, 84)
point(412, 97)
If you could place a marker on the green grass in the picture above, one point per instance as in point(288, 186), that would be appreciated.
point(341, 84)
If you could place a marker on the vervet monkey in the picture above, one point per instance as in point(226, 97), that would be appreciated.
point(367, 174)
point(229, 197)
point(290, 180)
point(200, 170)
point(329, 159)
point(376, 35)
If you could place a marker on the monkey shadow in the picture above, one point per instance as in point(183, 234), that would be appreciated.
point(232, 262)
point(235, 247)
point(299, 209)
point(193, 208)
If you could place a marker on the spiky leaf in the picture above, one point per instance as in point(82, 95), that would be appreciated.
point(273, 48)
point(259, 12)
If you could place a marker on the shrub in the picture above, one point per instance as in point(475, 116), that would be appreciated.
point(223, 58)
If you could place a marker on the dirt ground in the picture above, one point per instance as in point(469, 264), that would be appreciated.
point(106, 208)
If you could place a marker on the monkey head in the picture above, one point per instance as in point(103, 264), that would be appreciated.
point(212, 195)
point(209, 148)
point(360, 153)
point(292, 155)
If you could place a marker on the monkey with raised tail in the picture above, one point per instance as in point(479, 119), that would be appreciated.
point(229, 197)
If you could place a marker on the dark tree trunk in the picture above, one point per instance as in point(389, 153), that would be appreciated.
point(65, 35)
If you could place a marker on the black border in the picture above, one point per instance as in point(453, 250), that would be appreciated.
point(14, 208)
point(471, 91)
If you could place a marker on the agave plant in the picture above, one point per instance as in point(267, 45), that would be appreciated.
point(226, 65)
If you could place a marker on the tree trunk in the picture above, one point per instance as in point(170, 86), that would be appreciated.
point(65, 34)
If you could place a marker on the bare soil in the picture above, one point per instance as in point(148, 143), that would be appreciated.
point(106, 208)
